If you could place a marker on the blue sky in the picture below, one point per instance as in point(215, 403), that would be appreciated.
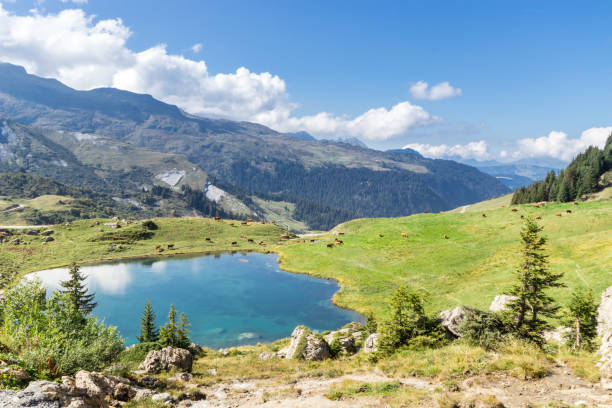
point(525, 68)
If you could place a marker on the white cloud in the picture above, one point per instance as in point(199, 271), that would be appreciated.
point(196, 48)
point(472, 150)
point(84, 53)
point(559, 145)
point(75, 1)
point(443, 90)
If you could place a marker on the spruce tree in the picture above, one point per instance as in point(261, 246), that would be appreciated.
point(371, 324)
point(581, 318)
point(408, 319)
point(148, 331)
point(182, 333)
point(82, 300)
point(532, 305)
point(168, 334)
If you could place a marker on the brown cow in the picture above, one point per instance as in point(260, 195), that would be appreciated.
point(484, 215)
point(249, 220)
point(445, 236)
point(514, 210)
point(231, 224)
point(558, 214)
point(217, 218)
point(522, 216)
point(339, 242)
point(330, 244)
point(285, 236)
point(160, 250)
point(536, 206)
point(207, 238)
point(250, 240)
point(234, 243)
point(341, 233)
point(568, 211)
point(170, 246)
point(244, 223)
point(538, 217)
point(575, 202)
point(404, 235)
point(157, 246)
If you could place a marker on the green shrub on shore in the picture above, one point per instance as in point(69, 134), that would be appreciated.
point(50, 336)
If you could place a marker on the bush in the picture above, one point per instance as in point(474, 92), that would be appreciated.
point(150, 225)
point(51, 337)
point(483, 329)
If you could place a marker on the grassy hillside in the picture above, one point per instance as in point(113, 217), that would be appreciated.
point(85, 241)
point(474, 264)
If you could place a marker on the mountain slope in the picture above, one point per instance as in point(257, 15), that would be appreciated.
point(337, 180)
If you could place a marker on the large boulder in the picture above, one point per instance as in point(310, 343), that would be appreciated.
point(453, 318)
point(306, 345)
point(371, 343)
point(166, 359)
point(98, 386)
point(604, 330)
point(500, 303)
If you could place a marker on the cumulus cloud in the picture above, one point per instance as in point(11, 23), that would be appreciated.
point(75, 1)
point(84, 53)
point(472, 150)
point(560, 146)
point(443, 90)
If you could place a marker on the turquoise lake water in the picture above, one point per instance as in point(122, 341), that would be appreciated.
point(230, 299)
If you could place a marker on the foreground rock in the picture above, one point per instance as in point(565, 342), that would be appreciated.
point(348, 338)
point(604, 330)
point(167, 359)
point(371, 343)
point(306, 345)
point(86, 390)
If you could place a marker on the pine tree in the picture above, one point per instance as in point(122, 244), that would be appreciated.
point(182, 333)
point(581, 318)
point(408, 319)
point(371, 324)
point(78, 292)
point(168, 334)
point(532, 304)
point(148, 331)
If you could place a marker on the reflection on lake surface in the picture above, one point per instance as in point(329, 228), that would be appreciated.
point(230, 299)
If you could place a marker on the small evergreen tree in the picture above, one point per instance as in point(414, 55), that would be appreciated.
point(148, 331)
point(532, 304)
point(581, 318)
point(168, 334)
point(182, 332)
point(371, 324)
point(408, 319)
point(77, 291)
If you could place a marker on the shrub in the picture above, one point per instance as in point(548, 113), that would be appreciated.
point(150, 225)
point(51, 337)
point(484, 329)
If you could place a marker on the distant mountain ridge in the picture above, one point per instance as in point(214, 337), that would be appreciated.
point(328, 181)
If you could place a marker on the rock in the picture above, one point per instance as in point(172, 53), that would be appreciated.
point(42, 394)
point(195, 350)
point(371, 343)
point(500, 303)
point(604, 330)
point(98, 386)
point(48, 232)
point(32, 232)
point(16, 241)
point(150, 382)
point(307, 346)
point(163, 398)
point(267, 356)
point(112, 225)
point(453, 318)
point(212, 371)
point(182, 377)
point(18, 374)
point(167, 358)
point(48, 239)
point(558, 335)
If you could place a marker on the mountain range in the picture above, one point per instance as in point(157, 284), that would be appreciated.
point(121, 142)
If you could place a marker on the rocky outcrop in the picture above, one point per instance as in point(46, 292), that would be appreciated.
point(86, 390)
point(371, 343)
point(166, 359)
point(306, 345)
point(453, 318)
point(604, 330)
point(500, 303)
point(348, 337)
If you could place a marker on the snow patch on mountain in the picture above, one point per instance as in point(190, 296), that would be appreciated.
point(171, 177)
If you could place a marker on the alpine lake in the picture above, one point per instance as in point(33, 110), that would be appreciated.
point(230, 299)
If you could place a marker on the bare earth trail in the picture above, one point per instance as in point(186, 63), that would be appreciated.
point(560, 386)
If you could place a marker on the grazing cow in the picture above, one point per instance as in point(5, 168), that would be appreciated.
point(339, 242)
point(558, 214)
point(330, 244)
point(244, 223)
point(380, 234)
point(157, 246)
point(170, 246)
point(341, 233)
point(263, 222)
point(234, 243)
point(404, 235)
point(217, 218)
point(484, 215)
point(568, 211)
point(522, 216)
point(250, 240)
point(536, 206)
point(285, 236)
point(575, 202)
point(115, 239)
point(207, 238)
point(538, 217)
point(514, 210)
point(249, 220)
point(445, 236)
point(262, 243)
point(231, 224)
point(312, 240)
point(242, 236)
point(160, 250)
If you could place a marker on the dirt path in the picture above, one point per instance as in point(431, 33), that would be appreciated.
point(463, 209)
point(559, 387)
